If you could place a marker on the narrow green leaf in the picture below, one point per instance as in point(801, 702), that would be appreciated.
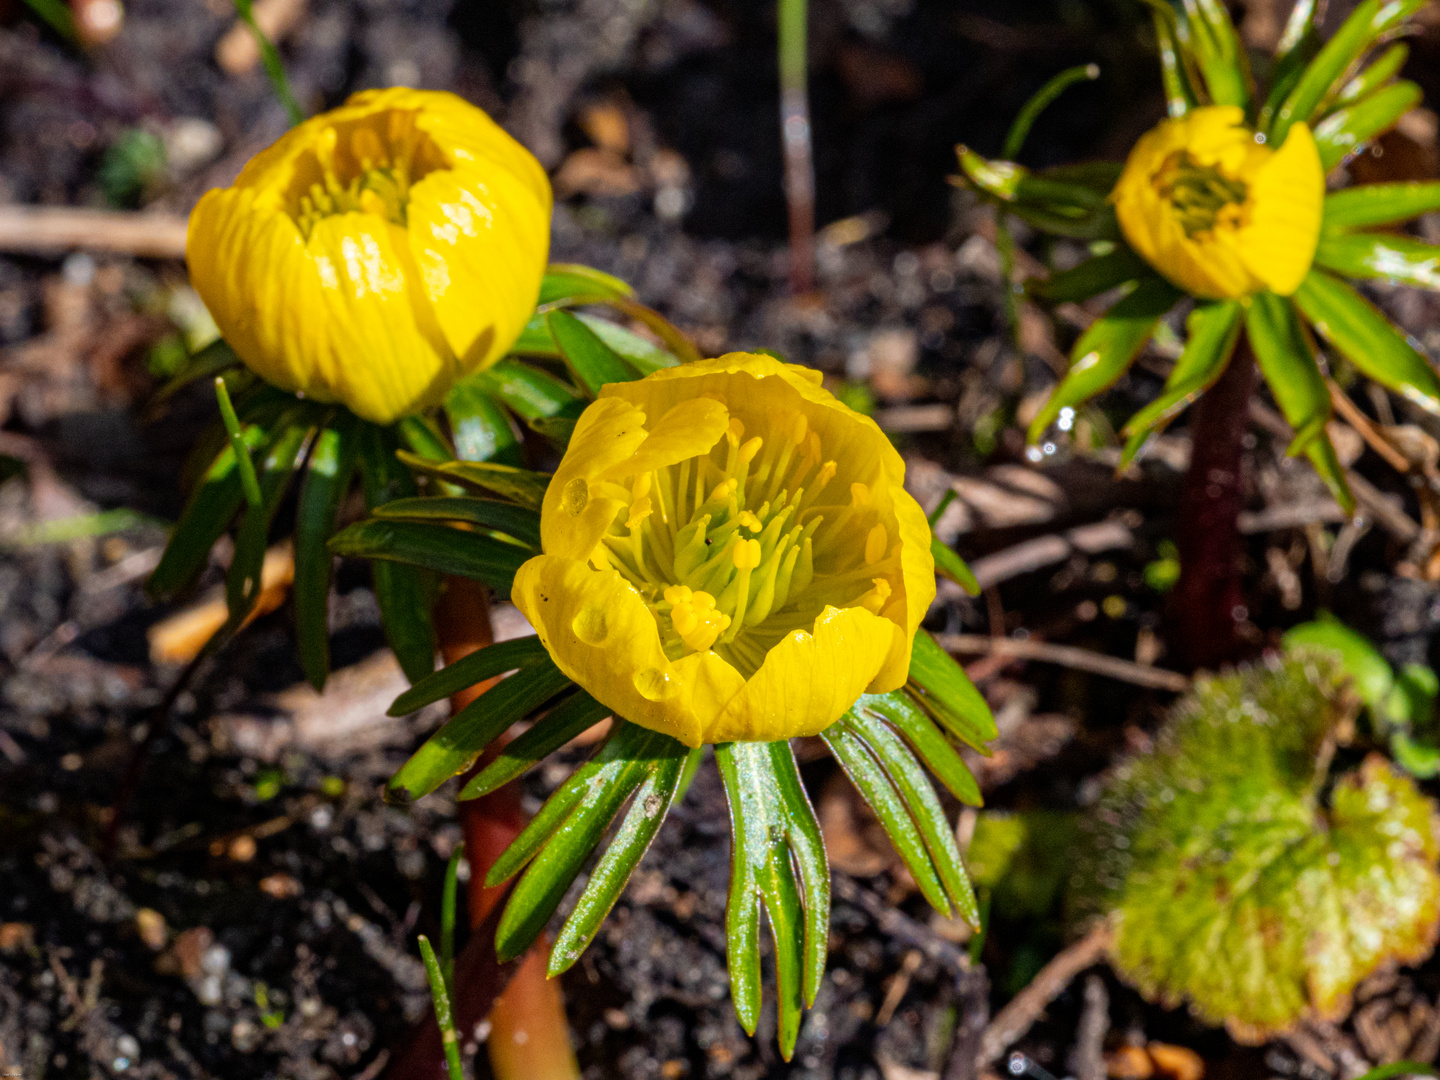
point(558, 429)
point(529, 392)
point(242, 583)
point(928, 741)
point(1106, 350)
point(1401, 260)
point(1094, 276)
point(915, 790)
point(946, 692)
point(327, 479)
point(573, 716)
point(1347, 131)
point(1376, 74)
point(638, 828)
point(480, 425)
point(249, 483)
point(516, 521)
point(207, 515)
point(1366, 338)
point(1060, 206)
point(473, 668)
point(1042, 100)
point(434, 547)
point(1322, 456)
point(1299, 43)
point(1326, 74)
point(775, 835)
point(403, 592)
point(953, 567)
point(1222, 58)
point(424, 438)
point(1289, 367)
point(454, 748)
point(1377, 205)
point(859, 763)
point(633, 757)
point(1179, 96)
point(518, 485)
point(591, 361)
point(568, 281)
point(1213, 329)
point(440, 998)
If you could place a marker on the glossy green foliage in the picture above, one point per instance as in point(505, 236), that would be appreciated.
point(1347, 130)
point(1365, 337)
point(885, 770)
point(284, 456)
point(1054, 202)
point(903, 713)
point(518, 523)
point(402, 590)
point(1023, 859)
point(1210, 37)
point(1327, 74)
point(437, 547)
point(777, 863)
point(1289, 368)
point(576, 714)
point(1373, 206)
point(328, 476)
point(454, 748)
point(1234, 881)
point(521, 486)
point(635, 765)
point(1094, 276)
point(469, 670)
point(1212, 328)
point(1400, 260)
point(590, 360)
point(571, 282)
point(953, 567)
point(1108, 347)
point(480, 426)
point(941, 686)
point(1376, 74)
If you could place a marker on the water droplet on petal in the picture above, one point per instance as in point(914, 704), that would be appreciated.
point(591, 625)
point(654, 684)
point(575, 496)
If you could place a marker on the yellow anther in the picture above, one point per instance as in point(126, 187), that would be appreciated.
point(875, 599)
point(640, 509)
point(641, 487)
point(694, 617)
point(875, 545)
point(798, 429)
point(747, 555)
point(736, 430)
point(827, 473)
point(678, 594)
point(724, 490)
point(750, 521)
point(600, 558)
point(750, 449)
point(859, 493)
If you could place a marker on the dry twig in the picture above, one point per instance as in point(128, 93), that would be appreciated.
point(1025, 1008)
point(1066, 656)
point(41, 229)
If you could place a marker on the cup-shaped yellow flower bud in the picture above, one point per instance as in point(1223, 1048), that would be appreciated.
point(729, 554)
point(377, 253)
point(1216, 211)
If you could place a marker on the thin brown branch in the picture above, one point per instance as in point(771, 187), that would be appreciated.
point(1025, 1008)
point(1066, 656)
point(42, 229)
point(1361, 423)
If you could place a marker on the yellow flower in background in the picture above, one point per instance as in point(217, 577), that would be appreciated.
point(729, 554)
point(377, 253)
point(1217, 212)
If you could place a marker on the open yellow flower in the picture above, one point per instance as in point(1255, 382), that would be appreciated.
point(1216, 211)
point(377, 253)
point(729, 554)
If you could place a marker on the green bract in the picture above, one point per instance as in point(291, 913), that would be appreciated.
point(1346, 91)
point(1237, 878)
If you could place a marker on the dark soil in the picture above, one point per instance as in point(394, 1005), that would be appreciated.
point(259, 915)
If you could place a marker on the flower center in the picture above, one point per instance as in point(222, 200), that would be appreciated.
point(363, 166)
point(734, 549)
point(1200, 195)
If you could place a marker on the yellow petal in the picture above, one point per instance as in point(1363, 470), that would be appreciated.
point(575, 512)
point(687, 429)
point(808, 680)
point(1289, 195)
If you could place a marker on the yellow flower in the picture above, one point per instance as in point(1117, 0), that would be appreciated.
point(1216, 211)
point(729, 554)
point(377, 253)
